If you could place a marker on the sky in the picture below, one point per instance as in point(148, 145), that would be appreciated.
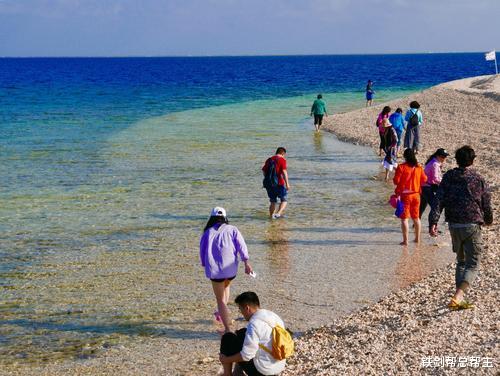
point(245, 27)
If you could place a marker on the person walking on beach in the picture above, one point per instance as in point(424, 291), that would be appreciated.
point(318, 109)
point(220, 246)
point(466, 200)
point(390, 147)
point(414, 120)
point(381, 129)
point(398, 123)
point(276, 182)
point(250, 347)
point(408, 179)
point(434, 175)
point(369, 93)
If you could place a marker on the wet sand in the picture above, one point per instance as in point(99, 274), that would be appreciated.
point(396, 335)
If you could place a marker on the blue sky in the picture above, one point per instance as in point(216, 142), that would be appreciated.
point(245, 27)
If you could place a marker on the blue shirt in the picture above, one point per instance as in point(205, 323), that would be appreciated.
point(396, 119)
point(411, 112)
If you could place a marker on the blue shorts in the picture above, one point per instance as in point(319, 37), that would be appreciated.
point(277, 192)
point(369, 96)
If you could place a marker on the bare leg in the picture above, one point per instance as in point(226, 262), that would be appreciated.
point(386, 175)
point(417, 224)
point(228, 369)
point(227, 291)
point(405, 230)
point(281, 208)
point(317, 127)
point(220, 295)
point(272, 207)
point(459, 294)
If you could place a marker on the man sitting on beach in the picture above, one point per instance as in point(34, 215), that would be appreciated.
point(465, 197)
point(245, 346)
point(276, 182)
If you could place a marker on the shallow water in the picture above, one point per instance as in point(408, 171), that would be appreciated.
point(110, 255)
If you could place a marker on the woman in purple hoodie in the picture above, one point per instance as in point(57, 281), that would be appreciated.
point(220, 246)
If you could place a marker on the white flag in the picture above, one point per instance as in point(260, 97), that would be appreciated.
point(490, 55)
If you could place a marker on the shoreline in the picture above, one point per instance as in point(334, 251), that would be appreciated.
point(339, 335)
point(399, 333)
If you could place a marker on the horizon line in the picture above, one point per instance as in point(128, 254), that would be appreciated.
point(231, 55)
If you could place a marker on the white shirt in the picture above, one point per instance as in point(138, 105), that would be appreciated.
point(258, 332)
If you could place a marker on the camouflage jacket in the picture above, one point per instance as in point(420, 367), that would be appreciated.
point(465, 198)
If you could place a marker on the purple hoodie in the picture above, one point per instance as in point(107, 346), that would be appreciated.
point(219, 250)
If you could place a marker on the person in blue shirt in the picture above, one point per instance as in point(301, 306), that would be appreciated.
point(398, 123)
point(414, 120)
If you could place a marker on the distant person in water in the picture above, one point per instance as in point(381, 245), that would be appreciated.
point(390, 147)
point(318, 109)
point(369, 93)
point(276, 182)
point(408, 179)
point(466, 200)
point(398, 123)
point(414, 121)
point(381, 129)
point(220, 247)
point(434, 175)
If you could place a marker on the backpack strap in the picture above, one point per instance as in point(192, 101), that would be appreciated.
point(269, 351)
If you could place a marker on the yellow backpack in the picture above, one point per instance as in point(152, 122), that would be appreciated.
point(282, 343)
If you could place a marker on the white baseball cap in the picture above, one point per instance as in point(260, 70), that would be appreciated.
point(218, 212)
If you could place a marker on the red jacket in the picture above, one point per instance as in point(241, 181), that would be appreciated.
point(409, 179)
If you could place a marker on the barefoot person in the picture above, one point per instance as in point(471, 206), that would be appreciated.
point(276, 182)
point(381, 129)
point(390, 147)
point(220, 246)
point(318, 109)
point(434, 175)
point(398, 123)
point(465, 198)
point(245, 346)
point(369, 93)
point(408, 179)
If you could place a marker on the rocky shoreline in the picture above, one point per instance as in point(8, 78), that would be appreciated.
point(411, 332)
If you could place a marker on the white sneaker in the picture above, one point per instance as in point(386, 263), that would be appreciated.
point(276, 216)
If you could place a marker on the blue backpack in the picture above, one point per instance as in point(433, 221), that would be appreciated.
point(270, 175)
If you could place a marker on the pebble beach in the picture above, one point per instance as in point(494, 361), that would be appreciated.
point(411, 332)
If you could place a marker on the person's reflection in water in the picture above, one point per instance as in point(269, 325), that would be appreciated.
point(278, 254)
point(414, 265)
point(318, 142)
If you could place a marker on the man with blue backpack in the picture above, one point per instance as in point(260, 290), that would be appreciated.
point(276, 182)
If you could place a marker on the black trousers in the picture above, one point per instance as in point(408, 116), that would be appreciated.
point(427, 197)
point(231, 344)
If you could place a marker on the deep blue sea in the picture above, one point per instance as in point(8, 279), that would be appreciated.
point(109, 167)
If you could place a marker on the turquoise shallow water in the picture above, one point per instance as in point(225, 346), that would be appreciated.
point(103, 249)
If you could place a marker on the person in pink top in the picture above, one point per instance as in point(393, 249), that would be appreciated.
point(434, 175)
point(381, 129)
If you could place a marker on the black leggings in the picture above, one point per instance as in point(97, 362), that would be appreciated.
point(231, 344)
point(427, 197)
